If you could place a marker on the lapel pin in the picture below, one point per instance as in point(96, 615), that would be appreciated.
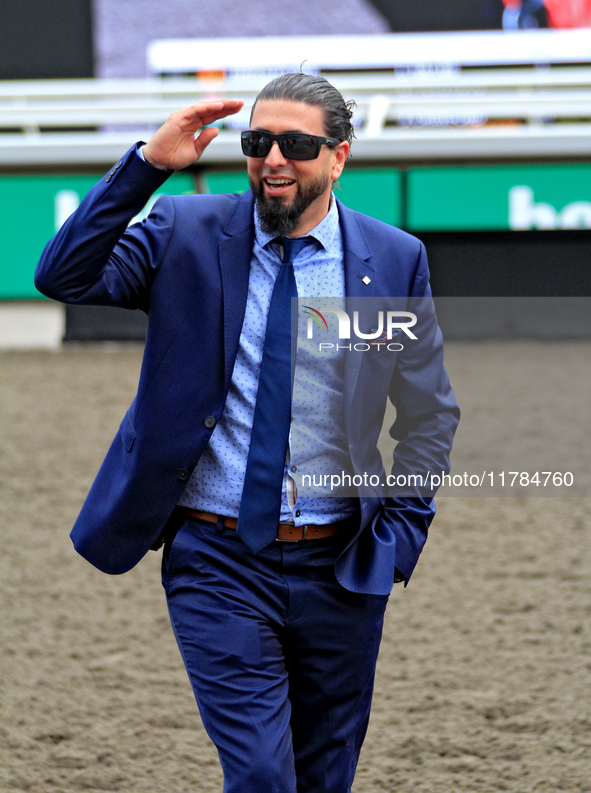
point(366, 280)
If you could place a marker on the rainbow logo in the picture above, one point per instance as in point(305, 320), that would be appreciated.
point(311, 312)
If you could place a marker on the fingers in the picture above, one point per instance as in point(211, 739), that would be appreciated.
point(174, 147)
point(204, 113)
point(203, 140)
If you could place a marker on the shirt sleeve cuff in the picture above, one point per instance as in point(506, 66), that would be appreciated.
point(140, 154)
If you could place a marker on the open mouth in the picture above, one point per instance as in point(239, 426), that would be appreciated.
point(278, 185)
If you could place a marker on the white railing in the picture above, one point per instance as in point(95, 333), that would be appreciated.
point(482, 114)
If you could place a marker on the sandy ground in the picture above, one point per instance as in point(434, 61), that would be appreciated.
point(485, 669)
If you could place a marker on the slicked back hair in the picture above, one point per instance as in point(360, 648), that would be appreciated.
point(317, 92)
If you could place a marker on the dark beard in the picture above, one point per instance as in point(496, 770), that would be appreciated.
point(281, 219)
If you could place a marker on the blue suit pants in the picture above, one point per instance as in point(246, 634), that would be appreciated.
point(280, 656)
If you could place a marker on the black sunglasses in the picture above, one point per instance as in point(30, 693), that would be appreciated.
point(293, 145)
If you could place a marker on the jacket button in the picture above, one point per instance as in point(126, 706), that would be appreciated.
point(210, 422)
point(182, 474)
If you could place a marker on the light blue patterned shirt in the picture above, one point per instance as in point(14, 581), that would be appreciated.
point(318, 441)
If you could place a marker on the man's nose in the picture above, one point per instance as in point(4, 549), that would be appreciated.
point(275, 158)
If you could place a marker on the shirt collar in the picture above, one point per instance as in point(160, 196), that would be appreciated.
point(324, 232)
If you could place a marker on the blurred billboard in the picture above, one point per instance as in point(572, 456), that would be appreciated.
point(400, 52)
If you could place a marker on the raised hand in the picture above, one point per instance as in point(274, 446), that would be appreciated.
point(175, 146)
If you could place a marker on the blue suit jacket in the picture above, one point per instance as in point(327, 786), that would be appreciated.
point(187, 266)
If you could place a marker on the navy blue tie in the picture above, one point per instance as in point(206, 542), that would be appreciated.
point(260, 506)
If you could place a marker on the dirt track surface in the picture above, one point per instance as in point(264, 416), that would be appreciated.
point(484, 675)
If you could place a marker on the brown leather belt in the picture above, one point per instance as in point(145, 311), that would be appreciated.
point(286, 532)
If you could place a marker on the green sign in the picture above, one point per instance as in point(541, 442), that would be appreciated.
point(373, 191)
point(503, 197)
point(33, 209)
point(437, 199)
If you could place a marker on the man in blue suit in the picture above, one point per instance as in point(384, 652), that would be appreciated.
point(276, 595)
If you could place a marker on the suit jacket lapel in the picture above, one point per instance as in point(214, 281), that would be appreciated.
point(235, 252)
point(357, 267)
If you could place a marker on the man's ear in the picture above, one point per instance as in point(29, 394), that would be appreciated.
point(340, 152)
